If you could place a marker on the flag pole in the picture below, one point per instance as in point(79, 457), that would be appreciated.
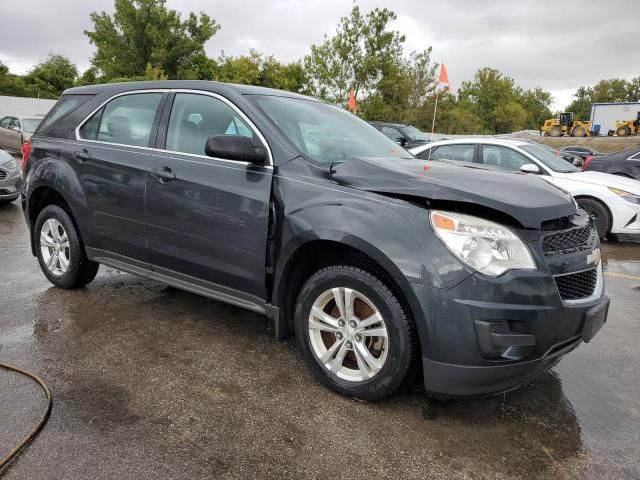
point(435, 109)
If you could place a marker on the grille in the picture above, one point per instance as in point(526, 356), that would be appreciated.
point(575, 286)
point(574, 240)
point(3, 174)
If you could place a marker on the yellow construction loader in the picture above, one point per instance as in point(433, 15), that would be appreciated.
point(566, 125)
point(624, 128)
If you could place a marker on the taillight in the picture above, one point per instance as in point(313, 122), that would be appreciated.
point(26, 151)
point(586, 162)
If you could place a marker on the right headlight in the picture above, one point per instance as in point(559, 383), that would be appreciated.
point(485, 246)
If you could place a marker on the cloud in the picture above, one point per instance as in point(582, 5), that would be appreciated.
point(539, 43)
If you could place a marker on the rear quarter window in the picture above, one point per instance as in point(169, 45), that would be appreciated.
point(66, 105)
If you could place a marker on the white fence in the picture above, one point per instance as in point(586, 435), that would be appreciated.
point(21, 106)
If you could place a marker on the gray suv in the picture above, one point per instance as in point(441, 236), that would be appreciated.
point(378, 263)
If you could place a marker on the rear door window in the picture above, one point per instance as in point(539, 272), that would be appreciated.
point(460, 152)
point(125, 120)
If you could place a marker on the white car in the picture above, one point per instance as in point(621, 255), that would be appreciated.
point(612, 201)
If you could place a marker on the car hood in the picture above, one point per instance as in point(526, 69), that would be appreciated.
point(526, 198)
point(606, 180)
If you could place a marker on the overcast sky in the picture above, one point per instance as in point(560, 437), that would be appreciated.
point(556, 45)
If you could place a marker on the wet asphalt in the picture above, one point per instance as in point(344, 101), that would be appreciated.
point(152, 382)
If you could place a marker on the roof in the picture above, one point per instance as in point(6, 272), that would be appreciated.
point(380, 122)
point(205, 85)
point(506, 142)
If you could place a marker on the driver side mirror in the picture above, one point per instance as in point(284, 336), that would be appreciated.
point(530, 168)
point(235, 147)
point(14, 128)
point(401, 141)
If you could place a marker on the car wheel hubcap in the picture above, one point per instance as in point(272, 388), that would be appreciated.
point(348, 335)
point(54, 246)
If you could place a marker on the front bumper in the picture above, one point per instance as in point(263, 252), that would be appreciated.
point(491, 335)
point(10, 184)
point(626, 217)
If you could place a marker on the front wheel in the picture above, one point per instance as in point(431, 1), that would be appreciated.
point(598, 213)
point(355, 336)
point(60, 251)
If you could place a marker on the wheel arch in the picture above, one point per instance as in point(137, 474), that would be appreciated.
point(601, 202)
point(309, 254)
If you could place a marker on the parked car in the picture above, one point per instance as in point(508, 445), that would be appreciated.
point(572, 159)
point(282, 205)
point(612, 202)
point(10, 179)
point(579, 151)
point(406, 136)
point(15, 130)
point(625, 163)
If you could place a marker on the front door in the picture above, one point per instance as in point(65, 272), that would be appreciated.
point(111, 158)
point(207, 217)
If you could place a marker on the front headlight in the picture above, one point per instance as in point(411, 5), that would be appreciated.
point(11, 164)
point(628, 196)
point(488, 247)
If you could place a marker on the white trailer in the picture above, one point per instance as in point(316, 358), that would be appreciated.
point(606, 114)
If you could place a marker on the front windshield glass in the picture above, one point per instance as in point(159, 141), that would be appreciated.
point(325, 133)
point(414, 134)
point(557, 164)
point(29, 125)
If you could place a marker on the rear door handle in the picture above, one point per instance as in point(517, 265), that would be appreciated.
point(83, 155)
point(163, 174)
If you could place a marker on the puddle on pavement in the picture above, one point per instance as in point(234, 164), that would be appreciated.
point(622, 257)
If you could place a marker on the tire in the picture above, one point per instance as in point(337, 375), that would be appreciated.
point(555, 131)
point(67, 265)
point(579, 132)
point(355, 374)
point(598, 213)
point(623, 131)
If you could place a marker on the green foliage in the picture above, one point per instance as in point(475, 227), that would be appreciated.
point(608, 90)
point(145, 32)
point(46, 80)
point(356, 57)
point(256, 69)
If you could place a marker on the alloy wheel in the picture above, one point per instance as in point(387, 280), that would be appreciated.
point(54, 246)
point(348, 334)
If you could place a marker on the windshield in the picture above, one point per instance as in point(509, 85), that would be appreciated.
point(29, 125)
point(557, 164)
point(414, 134)
point(325, 133)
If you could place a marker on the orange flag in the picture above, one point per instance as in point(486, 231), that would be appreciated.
point(352, 101)
point(444, 78)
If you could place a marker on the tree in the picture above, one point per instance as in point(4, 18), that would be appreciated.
point(581, 106)
point(537, 105)
point(355, 57)
point(51, 77)
point(145, 32)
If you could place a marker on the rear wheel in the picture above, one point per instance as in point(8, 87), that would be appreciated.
point(60, 251)
point(555, 131)
point(355, 336)
point(579, 132)
point(623, 131)
point(598, 213)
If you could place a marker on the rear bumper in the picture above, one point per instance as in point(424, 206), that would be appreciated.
point(487, 336)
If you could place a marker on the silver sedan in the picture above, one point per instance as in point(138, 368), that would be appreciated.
point(10, 178)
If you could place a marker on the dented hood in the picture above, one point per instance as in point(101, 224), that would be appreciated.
point(526, 198)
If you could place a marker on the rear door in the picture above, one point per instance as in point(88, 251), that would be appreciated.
point(111, 156)
point(208, 224)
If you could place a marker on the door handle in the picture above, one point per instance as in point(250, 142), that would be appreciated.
point(163, 174)
point(83, 155)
